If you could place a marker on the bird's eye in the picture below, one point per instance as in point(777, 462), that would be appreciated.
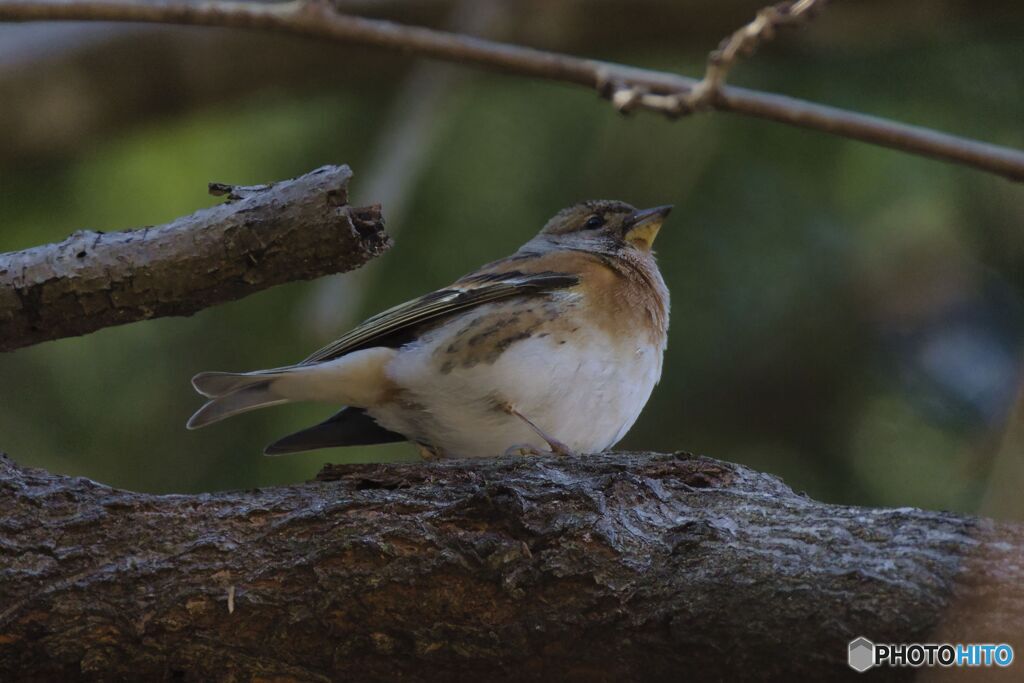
point(594, 222)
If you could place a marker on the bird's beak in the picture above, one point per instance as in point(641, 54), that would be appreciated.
point(644, 226)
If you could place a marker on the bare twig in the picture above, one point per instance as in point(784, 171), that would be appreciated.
point(744, 42)
point(262, 236)
point(659, 91)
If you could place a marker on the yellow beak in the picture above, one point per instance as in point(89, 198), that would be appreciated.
point(644, 226)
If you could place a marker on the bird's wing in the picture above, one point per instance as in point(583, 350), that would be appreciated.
point(348, 427)
point(472, 290)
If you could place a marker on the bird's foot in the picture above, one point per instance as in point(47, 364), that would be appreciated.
point(559, 448)
point(428, 453)
point(529, 450)
point(523, 450)
point(556, 446)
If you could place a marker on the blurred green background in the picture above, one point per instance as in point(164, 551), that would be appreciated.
point(846, 317)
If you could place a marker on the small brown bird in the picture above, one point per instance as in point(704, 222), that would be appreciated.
point(557, 346)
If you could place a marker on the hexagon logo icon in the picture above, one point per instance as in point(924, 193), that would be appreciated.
point(862, 654)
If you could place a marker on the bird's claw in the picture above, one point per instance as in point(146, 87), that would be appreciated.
point(528, 450)
point(559, 448)
point(523, 450)
point(428, 453)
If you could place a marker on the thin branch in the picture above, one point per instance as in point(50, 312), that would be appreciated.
point(662, 91)
point(262, 236)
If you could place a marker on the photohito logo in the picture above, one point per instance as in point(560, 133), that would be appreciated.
point(863, 654)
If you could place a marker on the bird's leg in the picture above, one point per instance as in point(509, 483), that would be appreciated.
point(556, 446)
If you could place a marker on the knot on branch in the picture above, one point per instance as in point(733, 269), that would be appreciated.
point(627, 98)
point(235, 193)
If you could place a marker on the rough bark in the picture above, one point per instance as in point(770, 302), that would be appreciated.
point(627, 566)
point(262, 236)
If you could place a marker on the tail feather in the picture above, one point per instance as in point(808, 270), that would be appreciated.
point(259, 395)
point(232, 393)
point(356, 379)
point(214, 384)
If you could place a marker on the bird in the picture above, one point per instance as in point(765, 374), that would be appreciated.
point(552, 350)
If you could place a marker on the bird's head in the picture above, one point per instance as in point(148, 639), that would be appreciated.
point(606, 225)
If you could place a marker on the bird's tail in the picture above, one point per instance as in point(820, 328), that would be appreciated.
point(233, 393)
point(355, 379)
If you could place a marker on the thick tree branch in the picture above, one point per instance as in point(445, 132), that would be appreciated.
point(606, 567)
point(262, 236)
point(655, 90)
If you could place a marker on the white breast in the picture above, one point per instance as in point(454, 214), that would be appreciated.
point(580, 387)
